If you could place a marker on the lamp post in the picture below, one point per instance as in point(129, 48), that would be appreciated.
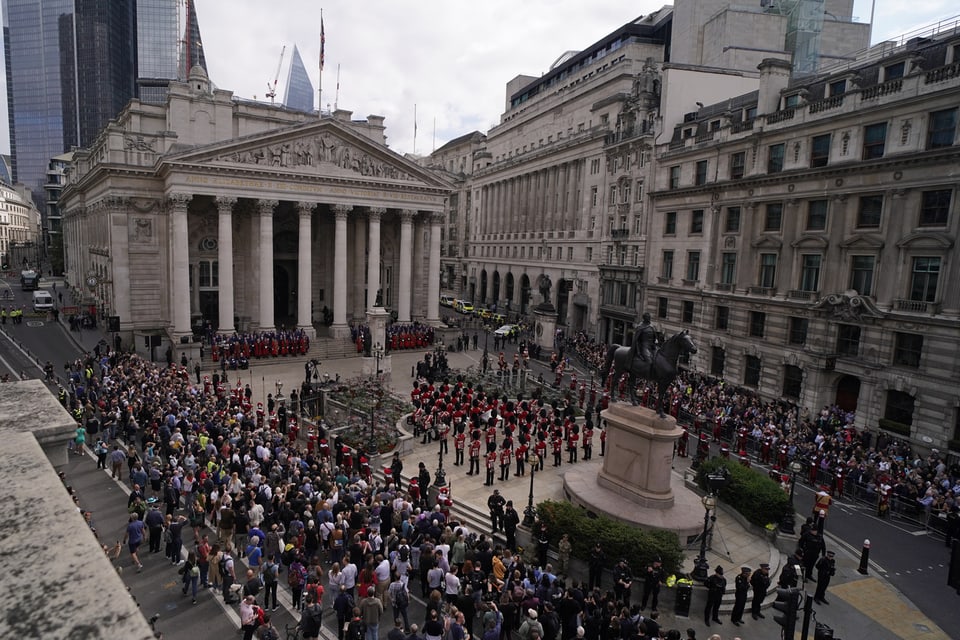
point(440, 477)
point(789, 521)
point(701, 569)
point(279, 385)
point(530, 513)
point(377, 354)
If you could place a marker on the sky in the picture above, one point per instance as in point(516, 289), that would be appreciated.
point(448, 61)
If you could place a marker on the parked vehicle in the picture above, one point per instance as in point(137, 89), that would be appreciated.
point(42, 301)
point(463, 306)
point(507, 330)
point(446, 301)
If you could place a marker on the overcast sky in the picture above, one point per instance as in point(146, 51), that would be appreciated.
point(450, 58)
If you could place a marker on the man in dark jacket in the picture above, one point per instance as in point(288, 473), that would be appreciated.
point(716, 585)
point(760, 582)
point(510, 521)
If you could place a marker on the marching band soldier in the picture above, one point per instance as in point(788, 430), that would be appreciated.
point(459, 443)
point(506, 457)
point(588, 442)
point(474, 453)
point(557, 448)
point(520, 454)
point(491, 466)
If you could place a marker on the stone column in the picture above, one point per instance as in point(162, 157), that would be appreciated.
point(359, 267)
point(406, 263)
point(373, 256)
point(266, 210)
point(225, 257)
point(339, 328)
point(118, 229)
point(305, 269)
point(180, 264)
point(433, 274)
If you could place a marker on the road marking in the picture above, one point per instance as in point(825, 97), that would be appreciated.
point(918, 533)
point(35, 323)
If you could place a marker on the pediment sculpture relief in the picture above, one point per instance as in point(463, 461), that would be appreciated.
point(317, 151)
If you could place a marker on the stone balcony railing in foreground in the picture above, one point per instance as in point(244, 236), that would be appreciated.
point(58, 584)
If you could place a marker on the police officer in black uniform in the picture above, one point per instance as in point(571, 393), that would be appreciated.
point(741, 587)
point(716, 585)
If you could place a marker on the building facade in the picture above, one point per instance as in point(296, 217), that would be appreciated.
point(807, 234)
point(254, 231)
point(19, 229)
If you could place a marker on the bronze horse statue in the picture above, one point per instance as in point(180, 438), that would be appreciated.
point(662, 369)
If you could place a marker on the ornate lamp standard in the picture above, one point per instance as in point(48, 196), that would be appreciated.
point(701, 568)
point(530, 513)
point(377, 353)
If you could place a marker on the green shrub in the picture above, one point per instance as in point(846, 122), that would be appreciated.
point(618, 540)
point(758, 498)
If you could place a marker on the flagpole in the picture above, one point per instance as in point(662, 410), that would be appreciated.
point(323, 39)
point(336, 96)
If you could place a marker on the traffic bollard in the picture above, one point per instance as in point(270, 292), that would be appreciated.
point(864, 558)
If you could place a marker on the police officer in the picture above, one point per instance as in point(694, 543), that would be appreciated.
point(741, 586)
point(760, 581)
point(652, 580)
point(716, 585)
point(495, 504)
point(826, 568)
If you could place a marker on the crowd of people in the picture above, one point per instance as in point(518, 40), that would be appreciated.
point(264, 344)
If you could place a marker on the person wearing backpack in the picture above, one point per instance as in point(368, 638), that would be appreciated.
point(267, 631)
point(296, 578)
point(399, 600)
point(354, 629)
point(269, 572)
point(311, 619)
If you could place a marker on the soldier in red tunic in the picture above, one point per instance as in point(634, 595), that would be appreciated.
point(557, 449)
point(541, 450)
point(603, 441)
point(572, 441)
point(520, 455)
point(475, 454)
point(491, 467)
point(506, 457)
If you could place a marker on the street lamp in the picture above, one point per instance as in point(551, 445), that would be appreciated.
point(377, 354)
point(701, 568)
point(440, 477)
point(279, 385)
point(530, 513)
point(789, 521)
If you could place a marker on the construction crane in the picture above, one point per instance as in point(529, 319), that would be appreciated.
point(272, 88)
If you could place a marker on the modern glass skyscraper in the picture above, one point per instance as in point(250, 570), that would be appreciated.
point(299, 92)
point(72, 65)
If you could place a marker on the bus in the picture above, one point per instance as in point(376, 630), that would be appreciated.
point(29, 280)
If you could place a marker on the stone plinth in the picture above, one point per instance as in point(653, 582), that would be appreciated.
point(636, 484)
point(377, 319)
point(639, 455)
point(545, 317)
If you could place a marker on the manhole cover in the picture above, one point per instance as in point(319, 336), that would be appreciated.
point(34, 323)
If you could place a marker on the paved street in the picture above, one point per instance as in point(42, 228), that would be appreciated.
point(903, 597)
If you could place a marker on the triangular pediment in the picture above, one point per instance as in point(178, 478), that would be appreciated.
point(323, 148)
point(862, 241)
point(767, 242)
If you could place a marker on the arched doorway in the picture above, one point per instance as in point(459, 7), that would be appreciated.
point(483, 287)
point(509, 290)
point(496, 287)
point(524, 293)
point(848, 393)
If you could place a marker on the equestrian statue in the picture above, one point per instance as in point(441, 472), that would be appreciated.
point(642, 359)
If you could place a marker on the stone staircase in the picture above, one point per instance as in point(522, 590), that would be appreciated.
point(321, 348)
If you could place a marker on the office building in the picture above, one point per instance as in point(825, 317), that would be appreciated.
point(299, 92)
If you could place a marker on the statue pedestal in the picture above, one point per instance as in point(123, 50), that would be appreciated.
point(369, 366)
point(377, 319)
point(639, 455)
point(636, 484)
point(545, 330)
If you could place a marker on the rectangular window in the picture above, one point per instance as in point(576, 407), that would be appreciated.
point(696, 221)
point(666, 268)
point(722, 318)
point(848, 339)
point(717, 359)
point(670, 224)
point(935, 208)
point(613, 196)
point(861, 274)
point(792, 381)
point(907, 348)
point(693, 266)
point(791, 101)
point(751, 371)
point(593, 196)
point(838, 88)
point(732, 222)
point(817, 215)
point(774, 217)
point(675, 177)
point(810, 272)
point(728, 268)
point(870, 211)
point(768, 270)
point(899, 407)
point(204, 274)
point(569, 254)
point(775, 155)
point(701, 174)
point(687, 313)
point(626, 192)
point(639, 191)
point(758, 321)
point(893, 71)
point(798, 330)
point(738, 164)
point(924, 278)
point(942, 129)
point(662, 305)
point(874, 140)
point(820, 150)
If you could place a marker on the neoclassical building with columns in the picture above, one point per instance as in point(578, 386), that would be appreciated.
point(249, 217)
